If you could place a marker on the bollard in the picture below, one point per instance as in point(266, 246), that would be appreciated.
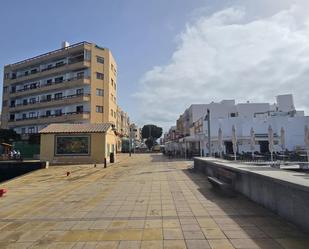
point(2, 191)
point(68, 173)
point(95, 165)
point(105, 163)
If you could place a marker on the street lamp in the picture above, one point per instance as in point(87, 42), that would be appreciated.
point(207, 117)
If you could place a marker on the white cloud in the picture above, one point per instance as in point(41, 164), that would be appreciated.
point(229, 55)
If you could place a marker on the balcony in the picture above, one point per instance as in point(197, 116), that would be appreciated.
point(65, 100)
point(73, 65)
point(43, 119)
point(65, 84)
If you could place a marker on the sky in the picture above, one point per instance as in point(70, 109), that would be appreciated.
point(174, 53)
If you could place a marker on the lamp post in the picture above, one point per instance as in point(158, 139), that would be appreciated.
point(209, 139)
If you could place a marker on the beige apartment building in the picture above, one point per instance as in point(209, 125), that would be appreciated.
point(74, 84)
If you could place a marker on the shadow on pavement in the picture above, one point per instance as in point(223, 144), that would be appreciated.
point(159, 157)
point(245, 222)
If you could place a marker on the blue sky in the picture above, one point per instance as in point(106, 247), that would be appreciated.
point(140, 33)
point(172, 53)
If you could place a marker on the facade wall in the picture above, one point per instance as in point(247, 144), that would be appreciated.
point(32, 89)
point(99, 143)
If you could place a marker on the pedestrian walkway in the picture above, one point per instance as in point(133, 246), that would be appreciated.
point(145, 201)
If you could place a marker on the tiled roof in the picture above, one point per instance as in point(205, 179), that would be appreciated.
point(76, 128)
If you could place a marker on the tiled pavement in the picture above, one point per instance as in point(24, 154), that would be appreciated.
point(145, 201)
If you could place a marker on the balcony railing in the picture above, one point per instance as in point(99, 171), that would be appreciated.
point(50, 53)
point(49, 84)
point(73, 61)
point(49, 116)
point(52, 99)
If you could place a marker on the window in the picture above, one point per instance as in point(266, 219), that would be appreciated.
point(6, 76)
point(26, 73)
point(99, 108)
point(24, 116)
point(12, 117)
point(48, 97)
point(32, 115)
point(112, 112)
point(58, 112)
point(99, 92)
point(59, 64)
point(5, 89)
point(66, 145)
point(5, 103)
point(79, 109)
point(33, 71)
point(50, 66)
point(33, 85)
point(100, 59)
point(59, 79)
point(48, 113)
point(80, 75)
point(31, 130)
point(87, 55)
point(12, 103)
point(23, 130)
point(112, 82)
point(58, 95)
point(79, 91)
point(25, 102)
point(49, 81)
point(13, 89)
point(32, 100)
point(100, 76)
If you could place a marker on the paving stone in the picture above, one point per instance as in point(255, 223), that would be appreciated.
point(190, 235)
point(197, 244)
point(152, 244)
point(174, 244)
point(172, 233)
point(220, 244)
point(213, 234)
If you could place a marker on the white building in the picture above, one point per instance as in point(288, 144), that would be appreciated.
point(245, 116)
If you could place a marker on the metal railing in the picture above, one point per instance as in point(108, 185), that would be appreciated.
point(51, 115)
point(52, 99)
point(49, 84)
point(50, 53)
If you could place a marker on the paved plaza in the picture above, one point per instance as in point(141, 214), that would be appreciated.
point(144, 201)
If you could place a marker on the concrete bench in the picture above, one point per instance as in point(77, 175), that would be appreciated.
point(223, 180)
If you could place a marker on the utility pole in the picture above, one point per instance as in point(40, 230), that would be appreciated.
point(209, 140)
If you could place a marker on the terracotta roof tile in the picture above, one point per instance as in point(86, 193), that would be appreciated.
point(76, 128)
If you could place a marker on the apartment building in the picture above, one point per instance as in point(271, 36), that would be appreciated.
point(74, 84)
point(123, 123)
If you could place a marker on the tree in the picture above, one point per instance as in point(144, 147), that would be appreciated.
point(8, 135)
point(149, 143)
point(151, 133)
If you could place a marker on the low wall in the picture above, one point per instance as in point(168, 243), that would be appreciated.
point(11, 169)
point(285, 193)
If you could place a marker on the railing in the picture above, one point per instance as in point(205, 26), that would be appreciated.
point(49, 84)
point(52, 52)
point(54, 99)
point(52, 67)
point(51, 115)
